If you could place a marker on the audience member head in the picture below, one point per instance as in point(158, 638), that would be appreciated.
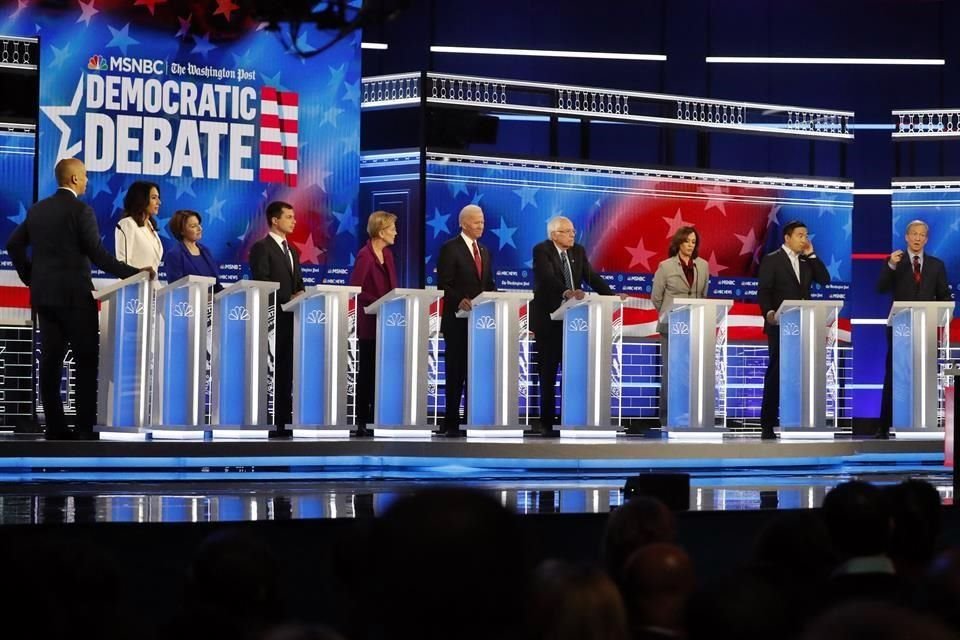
point(142, 202)
point(71, 173)
point(447, 563)
point(874, 621)
point(657, 581)
point(185, 225)
point(795, 544)
point(570, 602)
point(382, 226)
point(857, 520)
point(639, 521)
point(914, 508)
point(686, 242)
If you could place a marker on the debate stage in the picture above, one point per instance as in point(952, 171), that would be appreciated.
point(30, 459)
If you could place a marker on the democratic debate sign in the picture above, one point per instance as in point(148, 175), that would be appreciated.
point(222, 114)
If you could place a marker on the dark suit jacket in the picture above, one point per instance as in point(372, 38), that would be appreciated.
point(457, 276)
point(62, 232)
point(268, 263)
point(548, 282)
point(933, 280)
point(777, 281)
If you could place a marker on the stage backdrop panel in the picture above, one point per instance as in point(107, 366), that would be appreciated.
point(213, 108)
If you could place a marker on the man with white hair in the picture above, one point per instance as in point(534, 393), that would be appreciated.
point(919, 277)
point(463, 272)
point(560, 267)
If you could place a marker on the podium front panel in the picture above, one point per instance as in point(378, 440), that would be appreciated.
point(791, 377)
point(312, 372)
point(576, 366)
point(177, 315)
point(127, 314)
point(482, 359)
point(903, 371)
point(391, 357)
point(236, 323)
point(678, 369)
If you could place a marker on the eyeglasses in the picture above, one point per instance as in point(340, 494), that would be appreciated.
point(565, 231)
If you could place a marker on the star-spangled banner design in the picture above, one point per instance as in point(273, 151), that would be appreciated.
point(626, 222)
point(220, 35)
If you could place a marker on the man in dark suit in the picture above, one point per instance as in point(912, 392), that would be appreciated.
point(785, 274)
point(274, 259)
point(63, 235)
point(560, 267)
point(463, 272)
point(921, 277)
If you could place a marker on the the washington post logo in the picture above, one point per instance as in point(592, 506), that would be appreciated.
point(278, 136)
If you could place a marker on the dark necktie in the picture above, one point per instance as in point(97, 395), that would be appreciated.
point(916, 269)
point(476, 260)
point(567, 271)
point(286, 253)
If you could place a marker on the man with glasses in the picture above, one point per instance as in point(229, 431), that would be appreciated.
point(560, 267)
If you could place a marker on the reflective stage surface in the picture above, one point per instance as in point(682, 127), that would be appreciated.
point(52, 502)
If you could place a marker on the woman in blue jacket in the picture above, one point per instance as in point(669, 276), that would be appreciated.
point(188, 257)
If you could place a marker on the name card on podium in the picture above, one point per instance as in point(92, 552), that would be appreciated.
point(694, 380)
point(239, 360)
point(320, 349)
point(916, 366)
point(804, 326)
point(587, 346)
point(126, 319)
point(180, 358)
point(493, 363)
point(400, 406)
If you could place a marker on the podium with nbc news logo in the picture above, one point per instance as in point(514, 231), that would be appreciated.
point(239, 359)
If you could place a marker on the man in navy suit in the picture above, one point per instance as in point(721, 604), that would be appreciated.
point(919, 277)
point(560, 268)
point(463, 272)
point(274, 259)
point(785, 274)
point(62, 232)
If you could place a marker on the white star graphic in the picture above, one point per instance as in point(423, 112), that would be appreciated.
point(59, 56)
point(331, 115)
point(834, 268)
point(322, 179)
point(55, 114)
point(639, 255)
point(527, 196)
point(749, 242)
point(715, 267)
point(505, 234)
point(87, 11)
point(715, 202)
point(675, 223)
point(309, 252)
point(214, 212)
point(772, 219)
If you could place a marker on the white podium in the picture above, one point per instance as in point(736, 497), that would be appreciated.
point(239, 360)
point(804, 326)
point(915, 374)
point(321, 331)
point(493, 363)
point(126, 318)
point(696, 385)
point(180, 358)
point(587, 346)
point(403, 323)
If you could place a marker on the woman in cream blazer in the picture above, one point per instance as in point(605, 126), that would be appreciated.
point(683, 275)
point(136, 239)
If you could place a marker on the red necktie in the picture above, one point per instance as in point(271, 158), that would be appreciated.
point(476, 260)
point(916, 269)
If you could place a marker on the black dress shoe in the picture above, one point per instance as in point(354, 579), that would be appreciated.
point(363, 432)
point(57, 434)
point(549, 433)
point(768, 435)
point(279, 434)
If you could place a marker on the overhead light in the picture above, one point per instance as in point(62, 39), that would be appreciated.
point(857, 61)
point(550, 53)
point(380, 46)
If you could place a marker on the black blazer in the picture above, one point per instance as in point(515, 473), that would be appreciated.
point(933, 280)
point(548, 282)
point(777, 281)
point(457, 276)
point(268, 263)
point(62, 232)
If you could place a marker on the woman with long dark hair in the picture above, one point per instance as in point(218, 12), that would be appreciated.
point(137, 241)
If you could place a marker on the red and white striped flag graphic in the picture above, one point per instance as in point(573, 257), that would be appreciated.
point(278, 136)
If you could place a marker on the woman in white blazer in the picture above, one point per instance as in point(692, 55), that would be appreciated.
point(683, 275)
point(136, 239)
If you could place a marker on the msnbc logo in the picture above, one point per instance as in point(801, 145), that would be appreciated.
point(97, 63)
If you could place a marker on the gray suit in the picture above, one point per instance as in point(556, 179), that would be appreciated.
point(669, 283)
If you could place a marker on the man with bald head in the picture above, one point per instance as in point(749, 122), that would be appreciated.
point(560, 269)
point(62, 233)
point(463, 272)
